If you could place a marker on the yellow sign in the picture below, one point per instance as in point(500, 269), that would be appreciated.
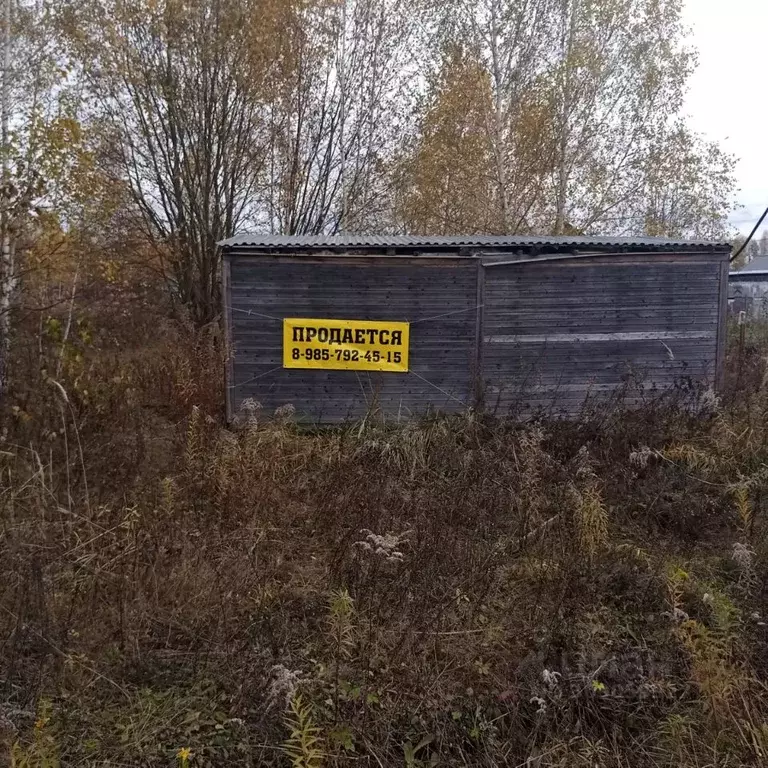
point(345, 345)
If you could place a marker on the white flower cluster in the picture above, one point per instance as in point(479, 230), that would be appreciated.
point(248, 413)
point(677, 615)
point(285, 412)
point(386, 546)
point(283, 686)
point(640, 457)
point(550, 678)
point(706, 404)
point(742, 556)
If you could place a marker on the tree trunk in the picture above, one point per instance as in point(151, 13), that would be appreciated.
point(567, 102)
point(499, 139)
point(7, 277)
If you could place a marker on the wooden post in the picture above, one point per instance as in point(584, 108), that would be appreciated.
point(742, 330)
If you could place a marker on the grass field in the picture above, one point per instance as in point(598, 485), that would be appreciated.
point(454, 592)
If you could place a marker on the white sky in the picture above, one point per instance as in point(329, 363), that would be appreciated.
point(726, 101)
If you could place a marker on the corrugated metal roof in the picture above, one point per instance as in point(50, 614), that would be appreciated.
point(311, 242)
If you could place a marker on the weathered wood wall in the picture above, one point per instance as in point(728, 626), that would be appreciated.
point(558, 332)
point(420, 291)
point(748, 293)
point(485, 332)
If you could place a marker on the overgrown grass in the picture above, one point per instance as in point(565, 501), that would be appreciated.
point(460, 591)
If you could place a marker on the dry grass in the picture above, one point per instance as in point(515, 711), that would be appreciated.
point(453, 592)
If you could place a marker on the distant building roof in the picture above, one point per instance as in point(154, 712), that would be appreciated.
point(758, 264)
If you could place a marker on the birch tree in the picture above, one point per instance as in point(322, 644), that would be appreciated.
point(312, 116)
point(42, 148)
point(447, 183)
point(185, 86)
point(339, 115)
point(7, 276)
point(621, 75)
point(687, 188)
point(511, 38)
point(580, 89)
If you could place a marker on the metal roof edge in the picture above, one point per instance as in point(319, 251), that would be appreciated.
point(741, 274)
point(271, 243)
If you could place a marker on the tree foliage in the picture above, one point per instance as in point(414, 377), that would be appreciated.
point(450, 174)
point(584, 97)
point(184, 87)
point(160, 127)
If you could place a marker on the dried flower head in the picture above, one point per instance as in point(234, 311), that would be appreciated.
point(249, 410)
point(742, 555)
point(283, 686)
point(386, 546)
point(707, 403)
point(285, 412)
point(678, 615)
point(744, 558)
point(550, 678)
point(641, 457)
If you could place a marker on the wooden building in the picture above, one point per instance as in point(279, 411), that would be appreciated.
point(748, 290)
point(339, 326)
